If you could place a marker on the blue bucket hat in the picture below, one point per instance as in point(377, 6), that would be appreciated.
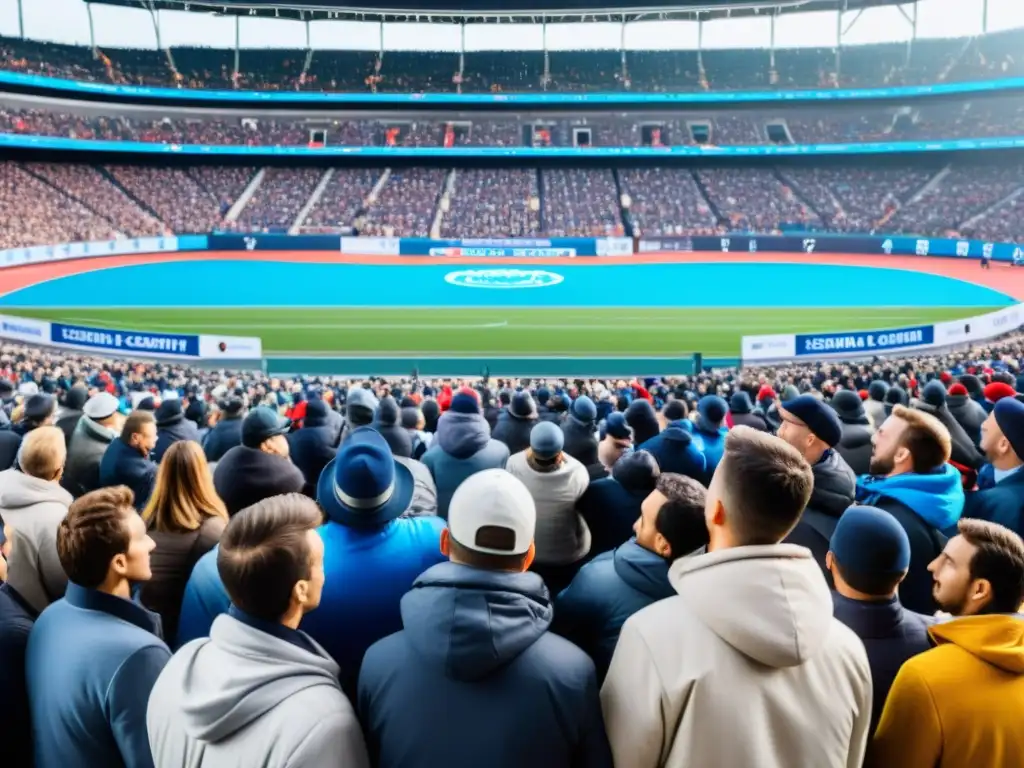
point(363, 486)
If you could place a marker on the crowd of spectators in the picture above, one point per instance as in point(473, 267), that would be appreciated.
point(131, 201)
point(278, 200)
point(343, 197)
point(498, 202)
point(581, 203)
point(232, 552)
point(406, 205)
point(976, 120)
point(666, 201)
point(924, 61)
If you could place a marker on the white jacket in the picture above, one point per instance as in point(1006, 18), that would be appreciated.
point(745, 667)
point(562, 535)
point(34, 509)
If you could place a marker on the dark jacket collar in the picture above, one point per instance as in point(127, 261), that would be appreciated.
point(21, 602)
point(289, 635)
point(118, 607)
point(869, 619)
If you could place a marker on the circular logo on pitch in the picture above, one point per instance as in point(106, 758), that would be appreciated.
point(503, 278)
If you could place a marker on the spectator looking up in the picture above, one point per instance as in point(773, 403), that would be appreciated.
point(750, 599)
point(1002, 440)
point(957, 704)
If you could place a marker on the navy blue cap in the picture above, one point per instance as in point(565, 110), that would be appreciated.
point(740, 402)
point(616, 426)
point(584, 409)
point(819, 418)
point(261, 424)
point(546, 440)
point(712, 409)
point(1009, 415)
point(868, 540)
point(934, 393)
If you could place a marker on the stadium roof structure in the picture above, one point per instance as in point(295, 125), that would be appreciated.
point(505, 11)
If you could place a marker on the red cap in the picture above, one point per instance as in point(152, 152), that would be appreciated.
point(766, 392)
point(945, 377)
point(958, 389)
point(997, 390)
point(864, 394)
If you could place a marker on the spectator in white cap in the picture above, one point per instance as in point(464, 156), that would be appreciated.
point(556, 481)
point(100, 424)
point(359, 410)
point(475, 637)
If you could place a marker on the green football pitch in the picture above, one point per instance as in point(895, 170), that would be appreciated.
point(398, 332)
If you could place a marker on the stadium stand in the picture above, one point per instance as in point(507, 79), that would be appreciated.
point(406, 204)
point(493, 203)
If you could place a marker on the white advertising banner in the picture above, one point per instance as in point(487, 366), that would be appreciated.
point(24, 329)
point(230, 347)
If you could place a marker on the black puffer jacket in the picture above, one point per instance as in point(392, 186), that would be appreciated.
point(513, 432)
point(834, 489)
point(968, 414)
point(855, 446)
point(580, 440)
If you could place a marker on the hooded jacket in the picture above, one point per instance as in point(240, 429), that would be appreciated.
point(34, 509)
point(311, 449)
point(711, 442)
point(958, 704)
point(88, 444)
point(245, 697)
point(424, 494)
point(925, 505)
point(124, 465)
point(590, 612)
point(834, 488)
point(513, 431)
point(562, 536)
point(968, 414)
point(676, 451)
point(749, 633)
point(891, 634)
point(510, 693)
point(171, 431)
point(580, 440)
point(461, 447)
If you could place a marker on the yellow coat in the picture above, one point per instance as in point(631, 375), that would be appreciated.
point(960, 704)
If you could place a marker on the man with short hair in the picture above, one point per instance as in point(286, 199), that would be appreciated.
point(911, 480)
point(16, 619)
point(99, 426)
point(246, 694)
point(959, 704)
point(475, 640)
point(608, 590)
point(93, 657)
point(616, 441)
point(1002, 440)
point(33, 504)
point(40, 410)
point(127, 460)
point(751, 622)
point(868, 558)
point(813, 428)
point(260, 467)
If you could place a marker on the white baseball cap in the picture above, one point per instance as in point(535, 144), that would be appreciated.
point(492, 499)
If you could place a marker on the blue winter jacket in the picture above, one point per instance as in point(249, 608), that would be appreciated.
point(91, 663)
point(366, 573)
point(590, 612)
point(711, 442)
point(677, 451)
point(475, 678)
point(462, 446)
point(123, 465)
point(937, 498)
point(1001, 502)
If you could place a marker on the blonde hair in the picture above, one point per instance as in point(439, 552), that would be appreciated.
point(43, 453)
point(925, 437)
point(184, 494)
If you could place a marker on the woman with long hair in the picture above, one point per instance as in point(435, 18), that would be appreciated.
point(186, 518)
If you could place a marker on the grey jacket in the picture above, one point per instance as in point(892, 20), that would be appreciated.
point(462, 447)
point(34, 508)
point(88, 443)
point(243, 697)
point(424, 494)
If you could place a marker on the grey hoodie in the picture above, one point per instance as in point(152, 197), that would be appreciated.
point(34, 509)
point(242, 698)
point(461, 447)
